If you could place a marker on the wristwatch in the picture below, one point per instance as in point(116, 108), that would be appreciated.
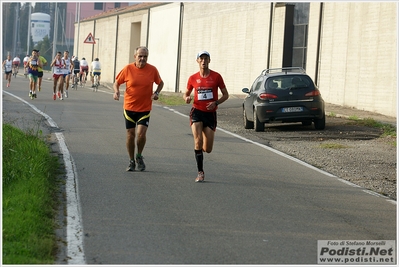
point(157, 93)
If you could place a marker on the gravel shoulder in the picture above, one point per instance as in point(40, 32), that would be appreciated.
point(357, 154)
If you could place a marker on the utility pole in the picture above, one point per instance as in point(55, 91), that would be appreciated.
point(29, 27)
point(77, 42)
point(15, 30)
point(55, 30)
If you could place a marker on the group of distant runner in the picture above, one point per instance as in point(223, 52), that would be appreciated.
point(63, 70)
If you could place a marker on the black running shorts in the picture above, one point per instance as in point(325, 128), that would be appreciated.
point(209, 119)
point(132, 118)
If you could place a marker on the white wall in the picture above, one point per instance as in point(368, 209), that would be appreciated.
point(358, 51)
point(236, 36)
point(84, 50)
point(358, 63)
point(163, 42)
point(313, 34)
point(277, 45)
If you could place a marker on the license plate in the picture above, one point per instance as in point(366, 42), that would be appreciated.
point(293, 109)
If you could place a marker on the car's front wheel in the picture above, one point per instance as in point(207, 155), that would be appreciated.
point(259, 126)
point(320, 124)
point(247, 124)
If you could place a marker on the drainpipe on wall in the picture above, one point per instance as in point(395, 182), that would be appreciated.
point(148, 27)
point(116, 45)
point(92, 48)
point(288, 35)
point(318, 45)
point(270, 35)
point(179, 48)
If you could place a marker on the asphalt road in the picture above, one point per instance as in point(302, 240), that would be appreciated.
point(257, 206)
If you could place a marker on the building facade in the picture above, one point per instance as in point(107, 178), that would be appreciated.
point(349, 49)
point(79, 10)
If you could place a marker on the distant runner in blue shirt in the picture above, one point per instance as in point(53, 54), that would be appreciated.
point(33, 72)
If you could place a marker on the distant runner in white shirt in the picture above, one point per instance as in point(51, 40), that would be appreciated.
point(84, 68)
point(95, 70)
point(67, 72)
point(7, 66)
point(58, 66)
point(16, 61)
point(26, 59)
point(15, 65)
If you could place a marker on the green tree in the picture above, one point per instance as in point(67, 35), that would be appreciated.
point(45, 50)
point(42, 7)
point(48, 8)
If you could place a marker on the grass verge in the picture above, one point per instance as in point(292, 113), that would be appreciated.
point(169, 99)
point(388, 129)
point(29, 198)
point(333, 146)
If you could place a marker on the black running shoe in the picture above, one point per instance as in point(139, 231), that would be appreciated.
point(131, 167)
point(140, 163)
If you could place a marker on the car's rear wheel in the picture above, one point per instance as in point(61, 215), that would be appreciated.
point(247, 124)
point(320, 124)
point(259, 126)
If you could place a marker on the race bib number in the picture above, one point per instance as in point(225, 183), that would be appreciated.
point(205, 94)
point(8, 66)
point(58, 71)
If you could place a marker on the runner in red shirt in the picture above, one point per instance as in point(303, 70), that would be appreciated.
point(203, 117)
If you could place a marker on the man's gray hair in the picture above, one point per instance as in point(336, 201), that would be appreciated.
point(139, 48)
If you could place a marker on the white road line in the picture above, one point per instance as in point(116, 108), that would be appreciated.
point(292, 158)
point(75, 252)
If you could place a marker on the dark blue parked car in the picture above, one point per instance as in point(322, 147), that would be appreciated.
point(283, 95)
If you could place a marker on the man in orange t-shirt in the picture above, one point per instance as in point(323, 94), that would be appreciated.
point(139, 77)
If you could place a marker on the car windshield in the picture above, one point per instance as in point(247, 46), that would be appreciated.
point(288, 82)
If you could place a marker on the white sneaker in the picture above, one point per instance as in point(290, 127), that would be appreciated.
point(66, 94)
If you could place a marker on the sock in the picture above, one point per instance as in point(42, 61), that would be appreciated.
point(138, 155)
point(199, 157)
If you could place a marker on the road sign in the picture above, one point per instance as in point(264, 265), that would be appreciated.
point(89, 39)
